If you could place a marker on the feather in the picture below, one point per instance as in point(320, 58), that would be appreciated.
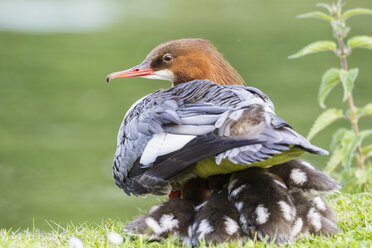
point(221, 128)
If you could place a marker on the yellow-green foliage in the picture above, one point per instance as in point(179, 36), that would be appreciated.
point(347, 143)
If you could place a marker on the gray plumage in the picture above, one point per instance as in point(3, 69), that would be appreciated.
point(165, 134)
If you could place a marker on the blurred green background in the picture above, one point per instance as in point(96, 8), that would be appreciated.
point(59, 119)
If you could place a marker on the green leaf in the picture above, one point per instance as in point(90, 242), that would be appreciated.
point(357, 11)
point(367, 151)
point(349, 149)
point(338, 137)
point(323, 120)
point(361, 176)
point(334, 161)
point(329, 81)
point(315, 47)
point(367, 110)
point(347, 80)
point(318, 15)
point(346, 141)
point(364, 134)
point(360, 42)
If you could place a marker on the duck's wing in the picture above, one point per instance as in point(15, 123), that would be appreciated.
point(155, 145)
point(169, 131)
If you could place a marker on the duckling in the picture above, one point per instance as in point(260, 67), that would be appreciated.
point(216, 221)
point(173, 218)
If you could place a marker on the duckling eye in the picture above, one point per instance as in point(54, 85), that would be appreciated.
point(167, 57)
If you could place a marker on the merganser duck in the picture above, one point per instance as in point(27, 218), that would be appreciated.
point(197, 127)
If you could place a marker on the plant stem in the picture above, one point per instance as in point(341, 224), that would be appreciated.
point(354, 117)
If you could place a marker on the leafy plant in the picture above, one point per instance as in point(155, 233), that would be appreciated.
point(347, 144)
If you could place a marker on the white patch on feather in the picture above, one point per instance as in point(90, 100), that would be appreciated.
point(219, 158)
point(232, 184)
point(204, 228)
point(262, 214)
point(230, 225)
point(189, 230)
point(186, 241)
point(161, 75)
point(307, 164)
point(154, 208)
point(315, 219)
point(288, 212)
point(154, 225)
point(252, 101)
point(319, 203)
point(189, 129)
point(207, 119)
point(168, 222)
point(243, 221)
point(161, 144)
point(297, 227)
point(239, 206)
point(260, 236)
point(280, 183)
point(197, 208)
point(298, 176)
point(268, 108)
point(237, 191)
point(236, 114)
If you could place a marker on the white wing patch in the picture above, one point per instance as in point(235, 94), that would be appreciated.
point(298, 176)
point(163, 143)
point(230, 226)
point(204, 228)
point(262, 214)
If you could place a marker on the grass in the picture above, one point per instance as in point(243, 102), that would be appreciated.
point(59, 119)
point(353, 211)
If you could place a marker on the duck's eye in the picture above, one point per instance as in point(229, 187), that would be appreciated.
point(167, 57)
